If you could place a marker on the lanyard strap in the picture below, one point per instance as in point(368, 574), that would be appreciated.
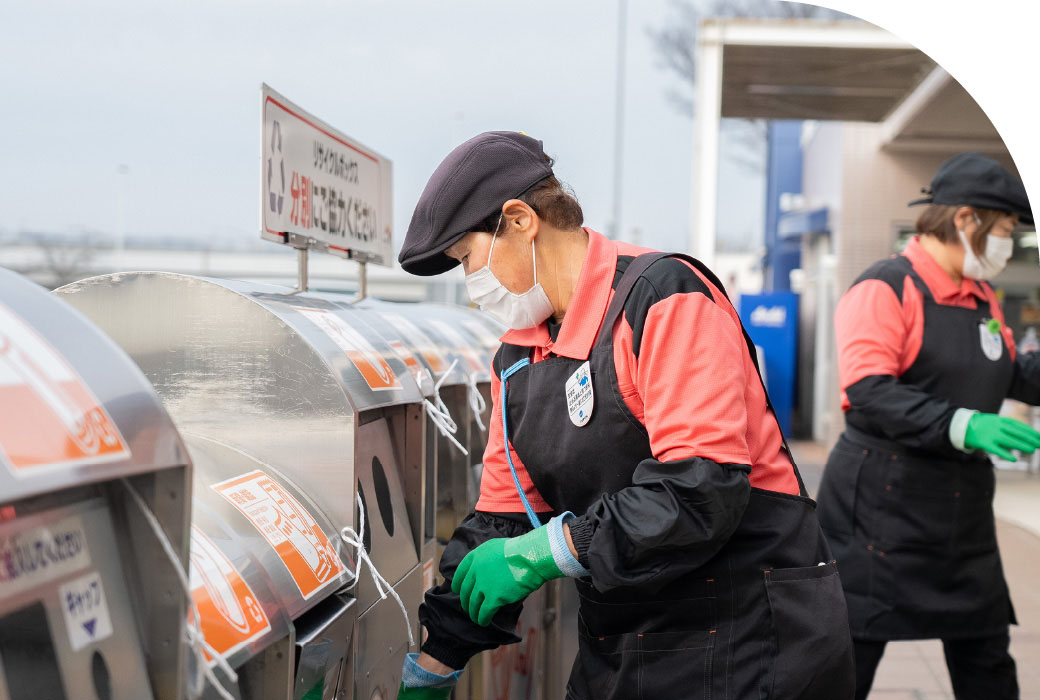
point(506, 374)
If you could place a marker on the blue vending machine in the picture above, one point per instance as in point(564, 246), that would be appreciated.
point(772, 322)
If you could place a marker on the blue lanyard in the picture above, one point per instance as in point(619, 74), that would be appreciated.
point(506, 374)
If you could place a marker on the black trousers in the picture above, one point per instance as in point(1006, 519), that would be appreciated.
point(980, 669)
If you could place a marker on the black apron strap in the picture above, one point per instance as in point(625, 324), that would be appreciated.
point(635, 269)
point(617, 305)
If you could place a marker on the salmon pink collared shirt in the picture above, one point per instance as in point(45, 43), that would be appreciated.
point(693, 384)
point(880, 333)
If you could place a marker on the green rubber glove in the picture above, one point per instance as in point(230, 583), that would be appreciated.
point(423, 693)
point(999, 435)
point(503, 571)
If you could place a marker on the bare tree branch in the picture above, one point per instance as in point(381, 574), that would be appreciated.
point(64, 260)
point(676, 47)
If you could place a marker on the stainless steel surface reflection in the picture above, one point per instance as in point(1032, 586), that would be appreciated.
point(242, 364)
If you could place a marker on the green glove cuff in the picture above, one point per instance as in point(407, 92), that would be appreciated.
point(423, 693)
point(534, 551)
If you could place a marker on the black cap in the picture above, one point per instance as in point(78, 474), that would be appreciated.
point(974, 180)
point(472, 183)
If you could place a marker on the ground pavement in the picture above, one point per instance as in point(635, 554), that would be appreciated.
point(916, 670)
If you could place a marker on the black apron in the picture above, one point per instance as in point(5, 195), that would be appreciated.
point(762, 619)
point(913, 532)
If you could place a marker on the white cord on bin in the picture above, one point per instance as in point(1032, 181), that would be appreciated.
point(439, 414)
point(476, 401)
point(357, 541)
point(193, 631)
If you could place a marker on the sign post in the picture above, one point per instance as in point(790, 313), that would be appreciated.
point(320, 189)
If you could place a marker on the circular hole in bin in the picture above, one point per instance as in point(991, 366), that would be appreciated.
point(101, 676)
point(386, 508)
point(367, 536)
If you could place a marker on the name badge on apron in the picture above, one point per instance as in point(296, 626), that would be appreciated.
point(991, 340)
point(579, 395)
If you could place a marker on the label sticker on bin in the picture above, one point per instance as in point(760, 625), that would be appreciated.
point(86, 610)
point(428, 575)
point(48, 415)
point(419, 340)
point(300, 542)
point(417, 370)
point(460, 345)
point(229, 613)
point(369, 362)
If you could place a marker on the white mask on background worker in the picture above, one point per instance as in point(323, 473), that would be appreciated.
point(994, 258)
point(517, 311)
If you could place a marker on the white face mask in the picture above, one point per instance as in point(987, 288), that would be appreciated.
point(518, 311)
point(994, 260)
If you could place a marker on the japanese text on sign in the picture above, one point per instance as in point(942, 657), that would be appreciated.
point(300, 542)
point(318, 183)
point(85, 609)
point(31, 557)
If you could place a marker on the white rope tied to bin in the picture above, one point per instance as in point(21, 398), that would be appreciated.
point(439, 413)
point(476, 400)
point(357, 540)
point(193, 630)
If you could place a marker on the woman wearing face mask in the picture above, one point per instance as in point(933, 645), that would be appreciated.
point(631, 448)
point(924, 361)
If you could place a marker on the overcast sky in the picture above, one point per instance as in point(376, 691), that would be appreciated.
point(171, 91)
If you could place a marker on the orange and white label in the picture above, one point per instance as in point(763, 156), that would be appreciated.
point(409, 360)
point(48, 415)
point(366, 358)
point(427, 575)
point(300, 542)
point(461, 346)
point(419, 340)
point(229, 613)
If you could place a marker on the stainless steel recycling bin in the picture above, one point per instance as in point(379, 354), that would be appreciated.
point(90, 604)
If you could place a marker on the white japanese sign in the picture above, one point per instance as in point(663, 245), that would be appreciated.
point(32, 557)
point(86, 610)
point(320, 186)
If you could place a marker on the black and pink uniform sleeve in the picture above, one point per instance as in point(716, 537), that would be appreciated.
point(684, 372)
point(912, 351)
point(686, 380)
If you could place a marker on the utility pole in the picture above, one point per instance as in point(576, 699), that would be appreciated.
point(619, 116)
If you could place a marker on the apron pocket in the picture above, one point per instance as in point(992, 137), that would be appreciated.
point(813, 659)
point(647, 666)
point(632, 646)
point(920, 504)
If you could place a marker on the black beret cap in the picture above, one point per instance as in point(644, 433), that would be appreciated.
point(473, 182)
point(975, 180)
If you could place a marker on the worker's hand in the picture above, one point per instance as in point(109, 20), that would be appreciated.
point(998, 435)
point(504, 571)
